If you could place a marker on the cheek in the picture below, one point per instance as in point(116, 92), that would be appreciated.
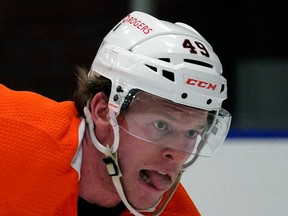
point(126, 150)
point(133, 152)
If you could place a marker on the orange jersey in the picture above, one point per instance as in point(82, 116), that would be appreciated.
point(38, 140)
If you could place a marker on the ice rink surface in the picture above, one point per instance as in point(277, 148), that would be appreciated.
point(246, 177)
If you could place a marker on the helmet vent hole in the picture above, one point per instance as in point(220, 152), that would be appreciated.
point(209, 101)
point(164, 59)
point(169, 75)
point(222, 88)
point(184, 95)
point(193, 61)
point(151, 67)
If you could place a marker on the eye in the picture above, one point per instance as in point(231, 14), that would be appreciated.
point(191, 133)
point(160, 125)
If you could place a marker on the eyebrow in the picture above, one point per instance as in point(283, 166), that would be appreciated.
point(202, 127)
point(173, 118)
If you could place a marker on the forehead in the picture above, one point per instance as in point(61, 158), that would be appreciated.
point(146, 103)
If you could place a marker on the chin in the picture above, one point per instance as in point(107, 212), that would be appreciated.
point(144, 205)
point(142, 201)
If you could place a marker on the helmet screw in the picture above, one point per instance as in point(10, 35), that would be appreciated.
point(116, 97)
point(184, 95)
point(119, 89)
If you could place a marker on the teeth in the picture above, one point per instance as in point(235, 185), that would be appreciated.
point(145, 178)
point(162, 173)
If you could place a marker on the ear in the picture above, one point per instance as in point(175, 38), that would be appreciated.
point(100, 115)
point(99, 110)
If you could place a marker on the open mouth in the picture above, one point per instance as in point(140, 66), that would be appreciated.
point(157, 180)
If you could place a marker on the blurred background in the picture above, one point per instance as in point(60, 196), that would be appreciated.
point(42, 42)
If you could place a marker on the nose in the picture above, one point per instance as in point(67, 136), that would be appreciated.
point(175, 155)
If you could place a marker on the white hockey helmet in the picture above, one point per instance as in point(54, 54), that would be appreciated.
point(172, 61)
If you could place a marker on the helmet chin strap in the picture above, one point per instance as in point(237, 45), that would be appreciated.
point(94, 139)
point(113, 169)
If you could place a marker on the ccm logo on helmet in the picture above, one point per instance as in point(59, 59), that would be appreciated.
point(201, 84)
point(138, 24)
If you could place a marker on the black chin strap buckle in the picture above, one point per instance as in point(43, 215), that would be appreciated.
point(111, 166)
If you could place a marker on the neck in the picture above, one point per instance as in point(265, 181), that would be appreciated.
point(96, 185)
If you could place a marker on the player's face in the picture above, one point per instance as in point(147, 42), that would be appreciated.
point(156, 138)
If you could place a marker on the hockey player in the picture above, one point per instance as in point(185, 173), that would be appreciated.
point(149, 106)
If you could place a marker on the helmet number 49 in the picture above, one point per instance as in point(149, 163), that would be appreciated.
point(193, 49)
